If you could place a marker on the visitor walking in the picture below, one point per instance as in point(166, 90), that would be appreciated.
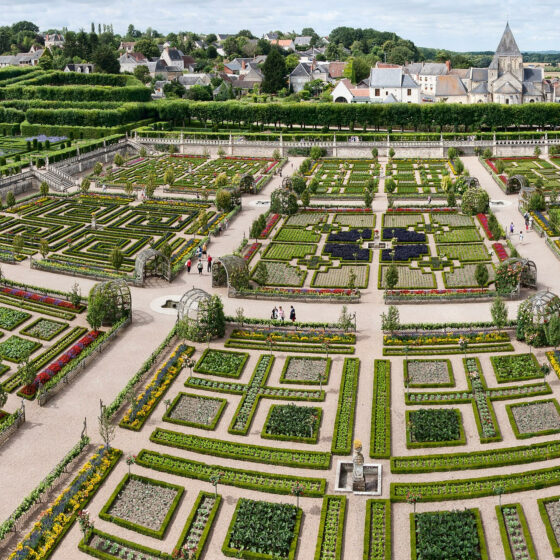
point(209, 263)
point(531, 223)
point(274, 314)
point(526, 225)
point(204, 249)
point(189, 265)
point(511, 229)
point(520, 236)
point(281, 314)
point(429, 199)
point(292, 313)
point(199, 267)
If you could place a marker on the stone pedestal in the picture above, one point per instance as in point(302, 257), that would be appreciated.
point(358, 478)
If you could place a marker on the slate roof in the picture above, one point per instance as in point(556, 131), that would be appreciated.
point(533, 75)
point(507, 47)
point(175, 54)
point(508, 87)
point(302, 41)
point(303, 69)
point(479, 74)
point(481, 88)
point(530, 89)
point(449, 86)
point(390, 78)
point(434, 69)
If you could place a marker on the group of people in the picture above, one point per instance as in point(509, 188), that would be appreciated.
point(528, 227)
point(201, 254)
point(279, 313)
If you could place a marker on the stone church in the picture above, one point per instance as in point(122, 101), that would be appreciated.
point(506, 80)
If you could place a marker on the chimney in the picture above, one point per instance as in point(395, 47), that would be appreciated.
point(448, 64)
point(242, 65)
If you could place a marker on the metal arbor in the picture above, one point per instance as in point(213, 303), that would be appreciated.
point(528, 274)
point(542, 306)
point(515, 183)
point(118, 299)
point(247, 183)
point(190, 305)
point(226, 266)
point(471, 182)
point(151, 262)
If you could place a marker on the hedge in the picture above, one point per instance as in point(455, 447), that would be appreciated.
point(242, 451)
point(77, 93)
point(325, 375)
point(212, 426)
point(157, 534)
point(450, 383)
point(299, 439)
point(59, 78)
point(28, 129)
point(380, 434)
point(508, 551)
point(443, 350)
point(450, 443)
point(554, 544)
point(327, 531)
point(346, 409)
point(526, 435)
point(377, 533)
point(297, 347)
point(494, 458)
point(262, 482)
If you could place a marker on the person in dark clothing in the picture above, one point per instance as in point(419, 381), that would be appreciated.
point(292, 313)
point(209, 263)
point(199, 267)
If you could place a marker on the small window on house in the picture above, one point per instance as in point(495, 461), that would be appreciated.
point(386, 93)
point(408, 92)
point(377, 93)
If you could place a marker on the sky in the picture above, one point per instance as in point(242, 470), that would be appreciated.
point(460, 25)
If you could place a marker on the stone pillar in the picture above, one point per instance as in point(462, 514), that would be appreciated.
point(546, 147)
point(494, 145)
point(230, 145)
point(388, 145)
point(281, 145)
point(335, 149)
point(358, 478)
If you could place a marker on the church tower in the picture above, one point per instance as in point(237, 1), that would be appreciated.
point(507, 58)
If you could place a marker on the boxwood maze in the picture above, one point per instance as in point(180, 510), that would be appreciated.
point(74, 247)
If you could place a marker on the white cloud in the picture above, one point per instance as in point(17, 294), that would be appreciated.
point(461, 25)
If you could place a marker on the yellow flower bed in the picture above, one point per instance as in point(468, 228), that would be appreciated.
point(449, 339)
point(50, 537)
point(554, 362)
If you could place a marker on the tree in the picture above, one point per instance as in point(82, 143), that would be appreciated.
point(552, 331)
point(391, 277)
point(315, 152)
point(274, 70)
point(106, 427)
point(261, 274)
point(3, 396)
point(346, 320)
point(84, 187)
point(44, 189)
point(148, 47)
point(298, 183)
point(305, 198)
point(169, 177)
point(128, 188)
point(118, 159)
point(390, 321)
point(43, 247)
point(117, 258)
point(10, 199)
point(537, 202)
point(174, 90)
point(221, 180)
point(151, 184)
point(499, 313)
point(284, 202)
point(391, 153)
point(18, 244)
point(481, 275)
point(105, 60)
point(390, 185)
point(98, 168)
point(142, 73)
point(475, 201)
point(223, 200)
point(27, 372)
point(451, 199)
point(368, 198)
point(75, 294)
point(537, 151)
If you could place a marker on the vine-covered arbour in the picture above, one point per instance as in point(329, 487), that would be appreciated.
point(225, 267)
point(117, 301)
point(471, 182)
point(190, 305)
point(526, 269)
point(515, 183)
point(151, 262)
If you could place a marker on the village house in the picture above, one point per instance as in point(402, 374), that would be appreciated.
point(85, 68)
point(54, 40)
point(127, 46)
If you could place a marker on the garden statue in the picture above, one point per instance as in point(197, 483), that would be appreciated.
point(358, 478)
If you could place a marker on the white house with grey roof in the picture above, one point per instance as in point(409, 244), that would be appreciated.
point(426, 74)
point(392, 83)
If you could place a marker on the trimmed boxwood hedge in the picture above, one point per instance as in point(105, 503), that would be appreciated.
point(326, 533)
point(346, 409)
point(159, 534)
point(450, 383)
point(200, 367)
point(284, 437)
point(325, 376)
point(445, 443)
point(242, 451)
point(378, 543)
point(513, 422)
point(554, 544)
point(380, 434)
point(509, 553)
point(212, 426)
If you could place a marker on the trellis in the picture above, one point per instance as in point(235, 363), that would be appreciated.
point(151, 262)
point(515, 183)
point(223, 268)
point(528, 275)
point(191, 304)
point(118, 292)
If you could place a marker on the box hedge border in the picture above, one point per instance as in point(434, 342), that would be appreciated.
point(212, 426)
point(339, 530)
point(554, 544)
point(450, 383)
point(202, 449)
point(159, 534)
point(445, 350)
point(236, 375)
point(524, 528)
point(513, 422)
point(348, 427)
point(325, 376)
point(448, 443)
point(387, 537)
point(280, 437)
point(386, 414)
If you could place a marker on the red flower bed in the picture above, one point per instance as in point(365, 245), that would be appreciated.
point(491, 165)
point(32, 296)
point(253, 248)
point(48, 373)
point(270, 223)
point(484, 223)
point(419, 210)
point(436, 292)
point(311, 291)
point(500, 251)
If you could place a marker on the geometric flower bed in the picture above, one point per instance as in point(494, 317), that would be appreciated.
point(429, 373)
point(44, 329)
point(16, 349)
point(10, 318)
point(292, 423)
point(534, 418)
point(263, 530)
point(515, 367)
point(434, 427)
point(340, 277)
point(223, 363)
point(448, 534)
point(300, 369)
point(549, 509)
point(142, 504)
point(331, 528)
point(197, 411)
point(516, 537)
point(464, 276)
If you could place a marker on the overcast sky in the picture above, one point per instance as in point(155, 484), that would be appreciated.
point(463, 25)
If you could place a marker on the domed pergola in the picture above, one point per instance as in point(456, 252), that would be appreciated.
point(190, 304)
point(528, 274)
point(515, 183)
point(542, 306)
point(151, 262)
point(247, 183)
point(471, 182)
point(117, 295)
point(223, 268)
